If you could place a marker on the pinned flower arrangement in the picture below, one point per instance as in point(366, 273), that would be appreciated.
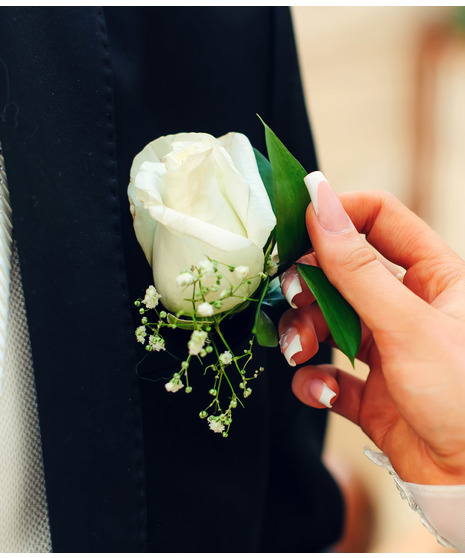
point(216, 221)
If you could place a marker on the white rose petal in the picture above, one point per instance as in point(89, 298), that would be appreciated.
point(193, 196)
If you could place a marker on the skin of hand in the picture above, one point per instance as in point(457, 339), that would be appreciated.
point(412, 404)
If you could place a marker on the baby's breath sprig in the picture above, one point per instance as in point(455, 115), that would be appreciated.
point(210, 287)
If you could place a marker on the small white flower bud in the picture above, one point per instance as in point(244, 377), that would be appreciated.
point(205, 310)
point(152, 296)
point(174, 385)
point(184, 279)
point(197, 341)
point(140, 334)
point(225, 358)
point(241, 271)
point(207, 267)
point(216, 425)
point(271, 267)
point(157, 343)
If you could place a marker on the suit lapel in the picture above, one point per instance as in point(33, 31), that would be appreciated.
point(56, 108)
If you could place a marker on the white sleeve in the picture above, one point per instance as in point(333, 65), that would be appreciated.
point(441, 508)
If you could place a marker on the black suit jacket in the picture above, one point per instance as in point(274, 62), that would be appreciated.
point(128, 466)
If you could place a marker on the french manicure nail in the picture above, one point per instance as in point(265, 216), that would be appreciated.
point(312, 181)
point(326, 204)
point(293, 289)
point(290, 345)
point(321, 392)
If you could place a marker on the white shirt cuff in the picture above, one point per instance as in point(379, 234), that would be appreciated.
point(441, 508)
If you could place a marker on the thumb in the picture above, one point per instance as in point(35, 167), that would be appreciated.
point(350, 263)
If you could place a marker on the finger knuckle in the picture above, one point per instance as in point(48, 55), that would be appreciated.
point(358, 258)
point(383, 197)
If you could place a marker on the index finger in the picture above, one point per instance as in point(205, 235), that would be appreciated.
point(395, 231)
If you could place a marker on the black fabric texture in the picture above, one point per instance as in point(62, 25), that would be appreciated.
point(128, 466)
point(57, 128)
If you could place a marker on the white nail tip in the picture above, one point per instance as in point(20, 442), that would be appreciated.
point(312, 181)
point(326, 396)
point(294, 347)
point(293, 290)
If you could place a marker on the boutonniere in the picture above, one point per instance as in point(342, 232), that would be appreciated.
point(218, 222)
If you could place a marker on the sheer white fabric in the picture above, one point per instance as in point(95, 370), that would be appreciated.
point(441, 508)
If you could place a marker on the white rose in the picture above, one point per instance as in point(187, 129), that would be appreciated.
point(194, 196)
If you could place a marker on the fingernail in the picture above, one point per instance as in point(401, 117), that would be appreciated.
point(293, 289)
point(290, 345)
point(326, 204)
point(321, 392)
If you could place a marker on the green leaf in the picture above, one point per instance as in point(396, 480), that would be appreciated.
point(266, 174)
point(343, 321)
point(291, 199)
point(265, 330)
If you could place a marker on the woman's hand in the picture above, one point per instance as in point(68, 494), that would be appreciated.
point(412, 404)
